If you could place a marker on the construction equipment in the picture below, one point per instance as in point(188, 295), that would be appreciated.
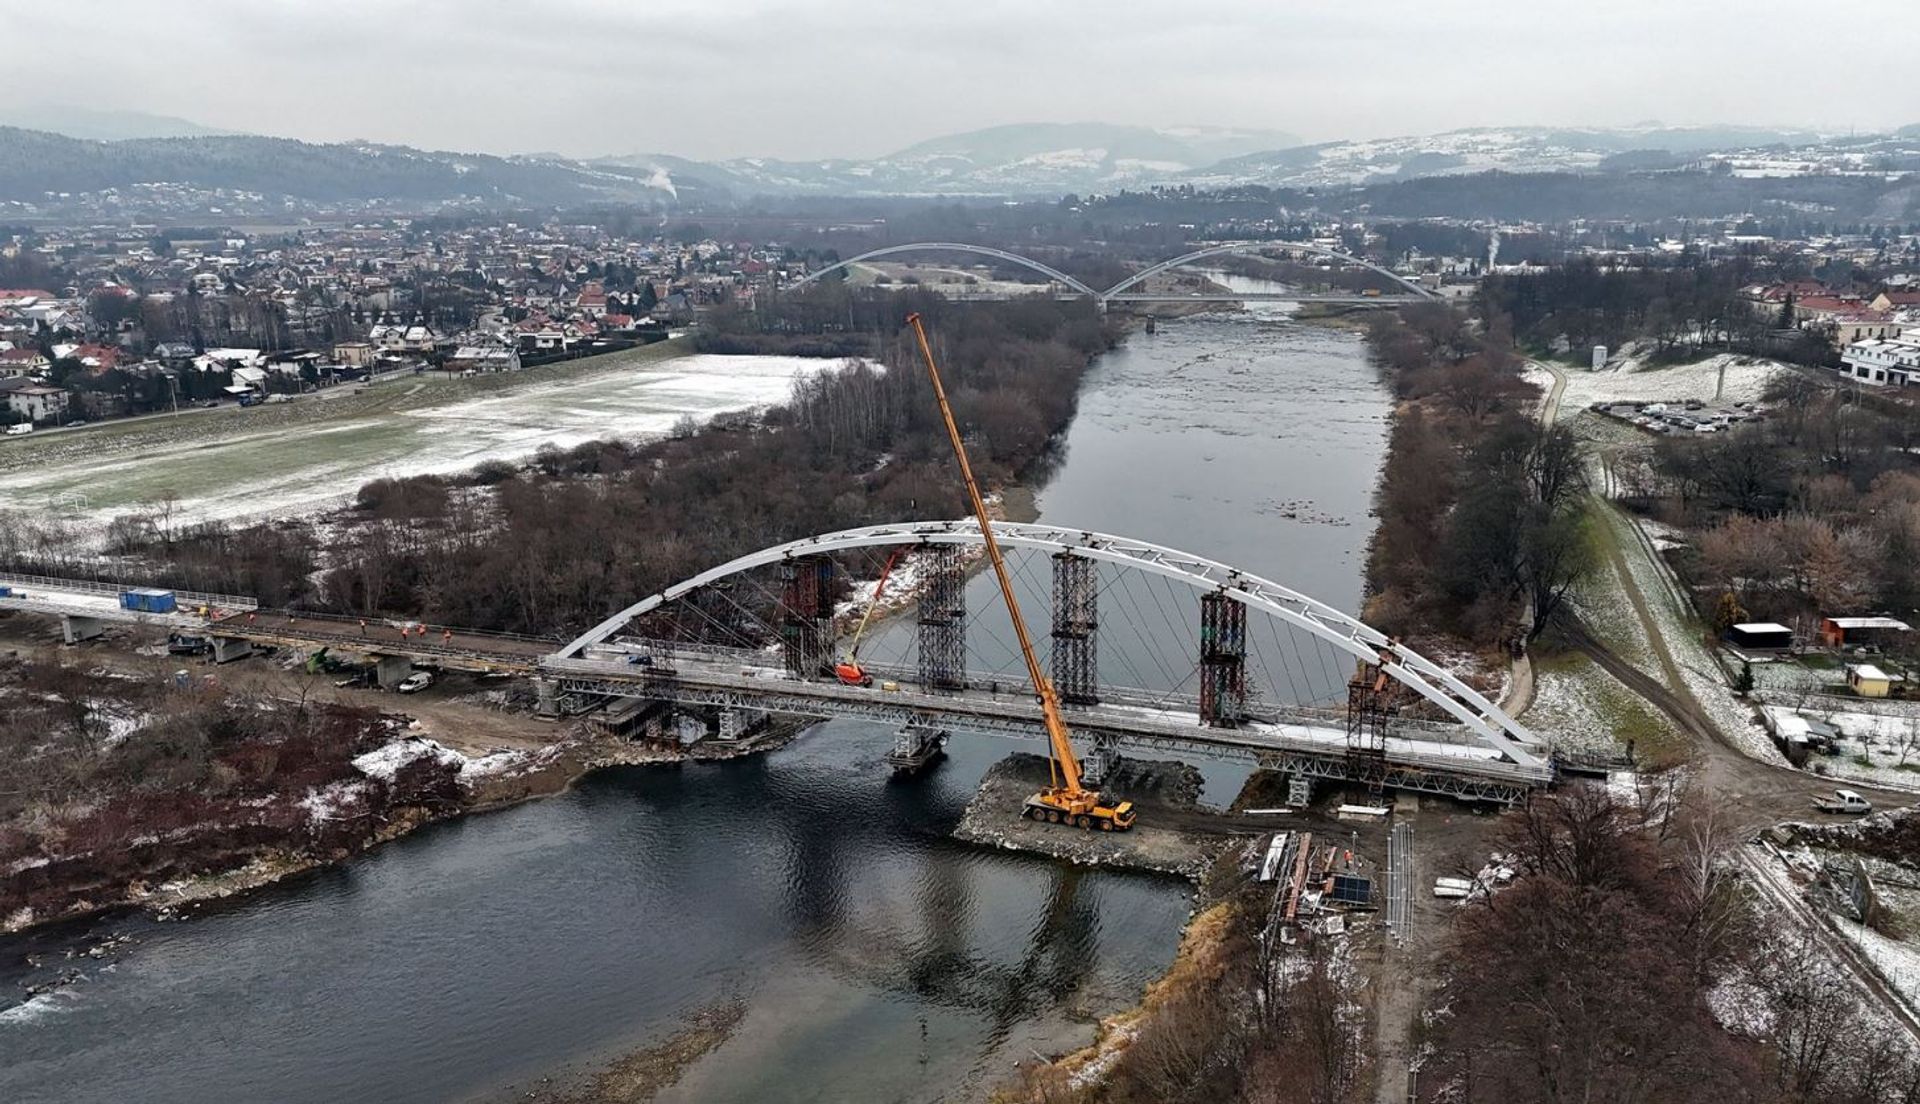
point(1065, 800)
point(848, 669)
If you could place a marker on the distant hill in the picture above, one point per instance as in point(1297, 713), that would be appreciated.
point(107, 126)
point(1483, 149)
point(1020, 159)
point(33, 163)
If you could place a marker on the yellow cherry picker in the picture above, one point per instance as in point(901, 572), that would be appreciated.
point(1065, 800)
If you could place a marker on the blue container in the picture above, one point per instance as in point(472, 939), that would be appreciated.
point(146, 600)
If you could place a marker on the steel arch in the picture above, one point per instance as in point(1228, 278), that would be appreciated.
point(1254, 247)
point(1345, 632)
point(1048, 271)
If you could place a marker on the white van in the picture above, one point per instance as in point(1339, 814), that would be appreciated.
point(17, 430)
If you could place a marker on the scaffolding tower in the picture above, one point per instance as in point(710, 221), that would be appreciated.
point(1371, 707)
point(1076, 625)
point(806, 614)
point(943, 620)
point(1223, 661)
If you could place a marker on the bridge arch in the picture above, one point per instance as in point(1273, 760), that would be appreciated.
point(1254, 247)
point(1345, 632)
point(1046, 270)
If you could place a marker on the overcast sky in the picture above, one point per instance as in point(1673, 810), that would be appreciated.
point(786, 78)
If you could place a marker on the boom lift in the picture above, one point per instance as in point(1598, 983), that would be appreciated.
point(1065, 800)
point(848, 670)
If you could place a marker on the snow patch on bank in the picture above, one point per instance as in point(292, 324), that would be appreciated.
point(388, 760)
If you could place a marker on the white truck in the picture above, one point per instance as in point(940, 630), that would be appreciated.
point(20, 429)
point(1843, 801)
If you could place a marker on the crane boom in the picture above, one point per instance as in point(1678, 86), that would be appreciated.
point(1067, 795)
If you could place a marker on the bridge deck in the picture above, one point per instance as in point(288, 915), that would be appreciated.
point(1454, 767)
point(440, 644)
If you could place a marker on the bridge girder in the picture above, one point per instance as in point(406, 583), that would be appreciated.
point(1347, 633)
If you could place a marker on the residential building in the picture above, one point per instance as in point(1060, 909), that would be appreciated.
point(36, 401)
point(1882, 361)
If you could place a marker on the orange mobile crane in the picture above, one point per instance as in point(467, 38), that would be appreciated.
point(1065, 800)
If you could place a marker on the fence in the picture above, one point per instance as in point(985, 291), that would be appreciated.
point(188, 598)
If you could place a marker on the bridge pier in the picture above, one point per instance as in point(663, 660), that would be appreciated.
point(390, 671)
point(546, 694)
point(1097, 765)
point(76, 628)
point(915, 747)
point(226, 649)
point(734, 723)
point(1076, 625)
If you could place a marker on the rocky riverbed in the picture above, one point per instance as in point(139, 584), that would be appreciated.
point(1172, 836)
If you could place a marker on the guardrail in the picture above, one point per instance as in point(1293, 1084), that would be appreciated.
point(285, 617)
point(114, 590)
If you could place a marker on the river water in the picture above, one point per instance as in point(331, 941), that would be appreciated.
point(875, 959)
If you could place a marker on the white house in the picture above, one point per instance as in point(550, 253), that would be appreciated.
point(35, 400)
point(1882, 362)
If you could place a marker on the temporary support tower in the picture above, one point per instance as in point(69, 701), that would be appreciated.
point(943, 620)
point(1076, 624)
point(806, 608)
point(1223, 661)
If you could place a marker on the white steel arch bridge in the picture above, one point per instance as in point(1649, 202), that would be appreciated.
point(1443, 736)
point(1125, 291)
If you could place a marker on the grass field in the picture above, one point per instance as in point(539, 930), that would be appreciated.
point(292, 458)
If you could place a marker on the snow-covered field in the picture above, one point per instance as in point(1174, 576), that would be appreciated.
point(1719, 379)
point(311, 462)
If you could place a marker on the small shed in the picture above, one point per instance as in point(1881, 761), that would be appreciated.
point(1869, 681)
point(1839, 632)
point(1760, 636)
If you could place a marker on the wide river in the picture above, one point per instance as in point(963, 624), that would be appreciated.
point(875, 958)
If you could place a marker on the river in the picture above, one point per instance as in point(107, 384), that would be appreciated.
point(875, 958)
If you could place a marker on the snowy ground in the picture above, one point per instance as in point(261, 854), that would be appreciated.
point(1579, 708)
point(1686, 642)
point(1724, 379)
point(1881, 748)
point(292, 460)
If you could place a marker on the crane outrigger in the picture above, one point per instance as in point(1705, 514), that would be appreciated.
point(1066, 800)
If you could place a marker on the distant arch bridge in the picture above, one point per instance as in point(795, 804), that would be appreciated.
point(1128, 290)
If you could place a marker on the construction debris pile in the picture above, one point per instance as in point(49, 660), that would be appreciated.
point(1315, 884)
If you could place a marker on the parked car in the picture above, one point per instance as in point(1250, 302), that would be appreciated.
point(415, 682)
point(1843, 801)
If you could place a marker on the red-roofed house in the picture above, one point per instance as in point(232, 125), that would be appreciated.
point(19, 362)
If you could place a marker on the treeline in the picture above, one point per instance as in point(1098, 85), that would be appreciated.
point(1481, 530)
point(552, 547)
point(1625, 963)
point(1682, 309)
point(1815, 510)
